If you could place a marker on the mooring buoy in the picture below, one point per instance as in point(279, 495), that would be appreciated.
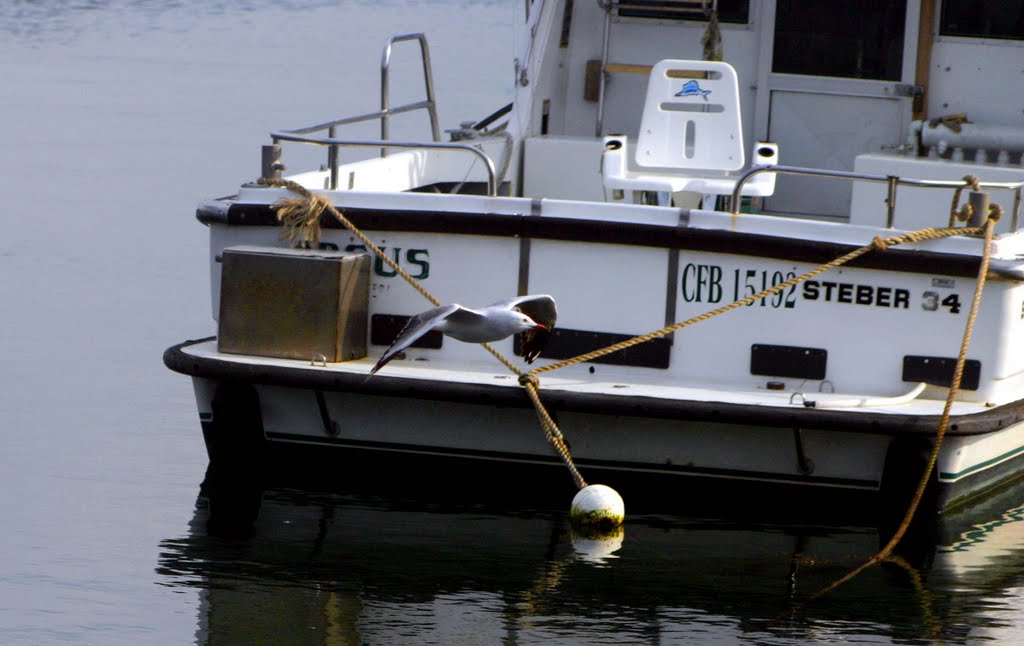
point(597, 508)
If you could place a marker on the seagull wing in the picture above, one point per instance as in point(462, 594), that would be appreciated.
point(469, 325)
point(415, 328)
point(541, 308)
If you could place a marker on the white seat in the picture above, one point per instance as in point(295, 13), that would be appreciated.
point(691, 136)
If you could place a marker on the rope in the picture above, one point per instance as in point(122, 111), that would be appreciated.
point(878, 243)
point(300, 217)
point(886, 552)
point(291, 210)
point(971, 182)
point(301, 221)
point(954, 389)
point(711, 41)
point(530, 383)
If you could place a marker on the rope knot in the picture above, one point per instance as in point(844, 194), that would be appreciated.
point(995, 211)
point(527, 378)
point(300, 219)
point(880, 243)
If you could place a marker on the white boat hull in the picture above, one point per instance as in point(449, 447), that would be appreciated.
point(675, 447)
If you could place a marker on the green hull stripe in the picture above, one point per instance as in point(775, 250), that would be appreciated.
point(982, 465)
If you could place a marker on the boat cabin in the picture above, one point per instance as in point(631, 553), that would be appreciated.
point(876, 86)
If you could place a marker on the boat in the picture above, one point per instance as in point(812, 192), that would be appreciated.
point(786, 329)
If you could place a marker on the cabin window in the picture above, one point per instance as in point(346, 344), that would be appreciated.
point(566, 24)
point(843, 38)
point(983, 19)
point(734, 11)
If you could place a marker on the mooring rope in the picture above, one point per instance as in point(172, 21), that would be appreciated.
point(301, 225)
point(301, 217)
point(955, 213)
point(301, 221)
point(878, 243)
point(885, 553)
point(554, 434)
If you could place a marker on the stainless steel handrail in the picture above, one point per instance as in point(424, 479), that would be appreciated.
point(892, 182)
point(333, 144)
point(430, 104)
point(369, 116)
point(383, 115)
point(385, 88)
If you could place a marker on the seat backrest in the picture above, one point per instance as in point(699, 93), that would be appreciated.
point(691, 117)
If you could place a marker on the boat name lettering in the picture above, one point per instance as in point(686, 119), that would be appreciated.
point(832, 292)
point(418, 258)
point(701, 283)
point(747, 282)
point(930, 302)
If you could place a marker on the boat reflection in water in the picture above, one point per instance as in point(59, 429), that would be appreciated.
point(290, 566)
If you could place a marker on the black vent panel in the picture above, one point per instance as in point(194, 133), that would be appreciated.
point(938, 371)
point(788, 361)
point(565, 343)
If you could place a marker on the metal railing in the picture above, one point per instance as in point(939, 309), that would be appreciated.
point(333, 144)
point(892, 182)
point(428, 80)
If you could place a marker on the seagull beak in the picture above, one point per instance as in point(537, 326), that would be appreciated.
point(534, 340)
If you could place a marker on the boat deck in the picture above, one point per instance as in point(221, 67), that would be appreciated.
point(486, 381)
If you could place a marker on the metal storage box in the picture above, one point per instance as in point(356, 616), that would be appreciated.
point(293, 303)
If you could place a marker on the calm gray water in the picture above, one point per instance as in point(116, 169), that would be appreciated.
point(116, 118)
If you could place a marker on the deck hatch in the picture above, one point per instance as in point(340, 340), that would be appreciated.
point(384, 328)
point(938, 371)
point(788, 361)
point(566, 343)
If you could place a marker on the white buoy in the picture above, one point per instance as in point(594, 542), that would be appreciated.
point(597, 508)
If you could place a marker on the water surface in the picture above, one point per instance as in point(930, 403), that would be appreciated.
point(117, 117)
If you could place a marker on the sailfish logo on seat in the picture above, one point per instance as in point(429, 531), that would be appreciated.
point(693, 88)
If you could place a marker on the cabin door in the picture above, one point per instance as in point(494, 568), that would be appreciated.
point(839, 76)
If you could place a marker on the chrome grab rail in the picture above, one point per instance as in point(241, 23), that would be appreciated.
point(385, 86)
point(385, 112)
point(334, 144)
point(892, 182)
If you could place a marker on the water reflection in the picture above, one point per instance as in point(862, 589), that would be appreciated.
point(349, 568)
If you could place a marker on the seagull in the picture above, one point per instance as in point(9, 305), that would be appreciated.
point(534, 316)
